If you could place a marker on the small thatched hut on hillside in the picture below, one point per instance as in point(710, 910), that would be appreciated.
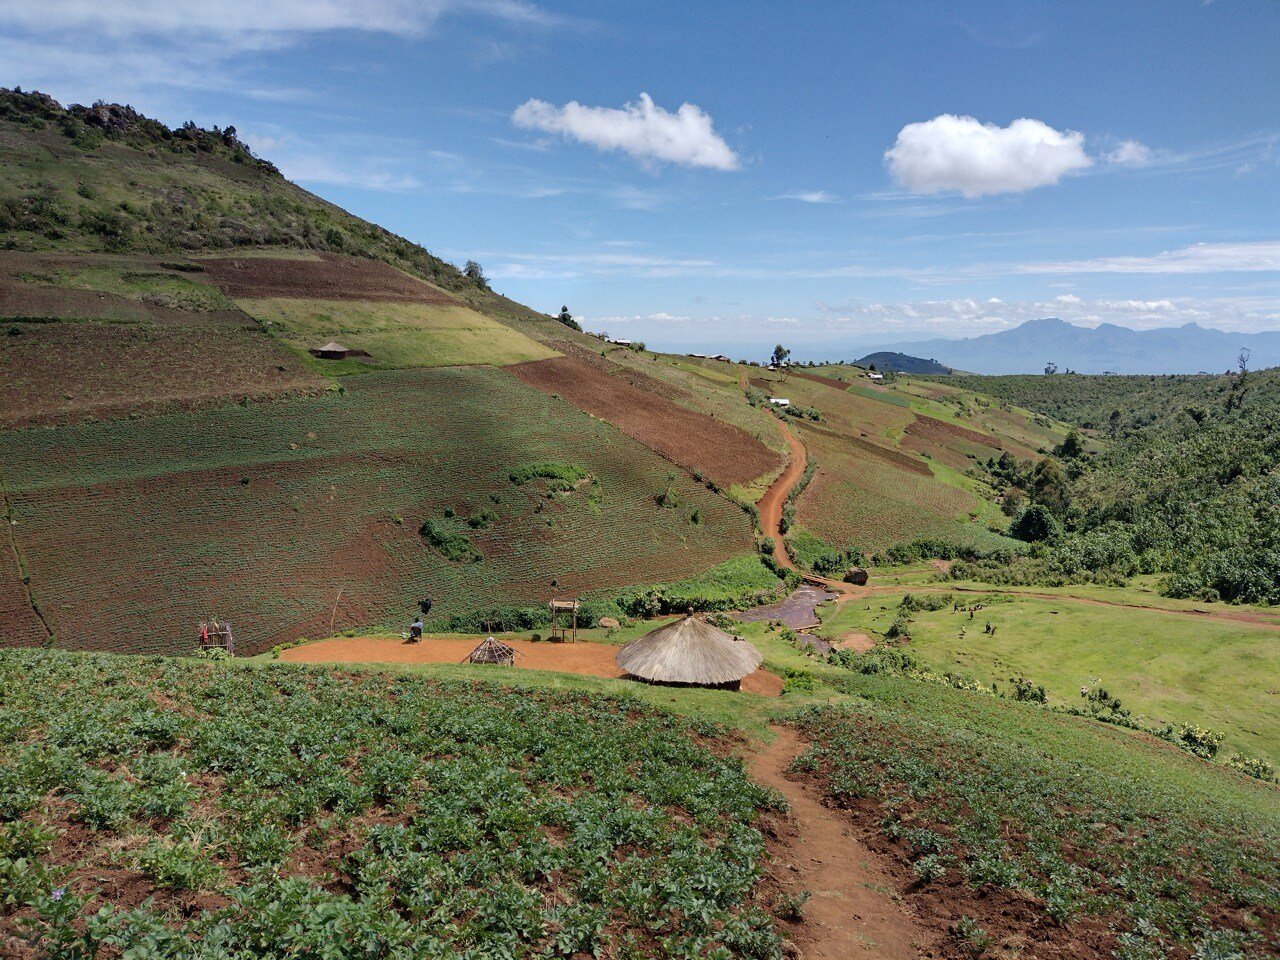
point(336, 351)
point(692, 653)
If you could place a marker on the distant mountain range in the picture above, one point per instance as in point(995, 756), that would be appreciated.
point(1107, 348)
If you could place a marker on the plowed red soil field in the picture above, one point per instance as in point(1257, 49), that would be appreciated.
point(930, 428)
point(695, 441)
point(587, 659)
point(329, 276)
point(955, 445)
point(71, 370)
point(894, 458)
point(826, 381)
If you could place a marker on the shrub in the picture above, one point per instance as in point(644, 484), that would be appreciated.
point(1028, 692)
point(562, 475)
point(482, 519)
point(1253, 766)
point(450, 544)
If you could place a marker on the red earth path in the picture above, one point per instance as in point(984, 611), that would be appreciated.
point(854, 910)
point(588, 659)
point(771, 504)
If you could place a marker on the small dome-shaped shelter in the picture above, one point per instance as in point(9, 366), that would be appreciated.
point(689, 652)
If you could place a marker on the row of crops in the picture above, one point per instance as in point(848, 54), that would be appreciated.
point(1019, 825)
point(183, 809)
point(287, 517)
point(857, 498)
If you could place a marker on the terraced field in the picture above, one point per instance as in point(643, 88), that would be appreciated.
point(856, 498)
point(396, 335)
point(697, 441)
point(887, 472)
point(284, 517)
point(98, 336)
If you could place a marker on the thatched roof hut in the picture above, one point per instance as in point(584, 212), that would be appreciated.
point(330, 351)
point(336, 351)
point(689, 652)
point(493, 650)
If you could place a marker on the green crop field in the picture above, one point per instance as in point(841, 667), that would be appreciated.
point(1078, 838)
point(397, 335)
point(155, 807)
point(1170, 667)
point(858, 499)
point(707, 386)
point(287, 518)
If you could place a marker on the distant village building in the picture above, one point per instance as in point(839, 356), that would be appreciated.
point(617, 342)
point(780, 401)
point(875, 376)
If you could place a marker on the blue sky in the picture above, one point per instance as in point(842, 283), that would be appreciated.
point(842, 175)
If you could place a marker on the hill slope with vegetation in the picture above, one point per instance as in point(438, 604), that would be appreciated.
point(1187, 489)
point(167, 291)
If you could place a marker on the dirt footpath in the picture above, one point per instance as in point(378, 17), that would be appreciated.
point(853, 911)
point(770, 505)
point(586, 659)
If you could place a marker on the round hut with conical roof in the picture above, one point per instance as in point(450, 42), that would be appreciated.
point(690, 653)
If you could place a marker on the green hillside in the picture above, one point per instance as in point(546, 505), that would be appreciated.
point(1188, 488)
point(105, 178)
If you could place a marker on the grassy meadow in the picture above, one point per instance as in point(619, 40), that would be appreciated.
point(1170, 666)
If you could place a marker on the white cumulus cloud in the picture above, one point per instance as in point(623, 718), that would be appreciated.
point(641, 129)
point(977, 159)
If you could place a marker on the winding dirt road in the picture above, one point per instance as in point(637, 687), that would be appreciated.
point(771, 504)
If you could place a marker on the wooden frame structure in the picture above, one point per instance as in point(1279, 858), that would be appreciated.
point(493, 650)
point(215, 635)
point(559, 630)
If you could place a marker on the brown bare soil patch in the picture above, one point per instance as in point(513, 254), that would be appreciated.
point(61, 372)
point(854, 909)
point(693, 440)
point(940, 431)
point(330, 276)
point(856, 641)
point(29, 300)
point(637, 378)
point(20, 625)
point(818, 378)
point(585, 659)
point(895, 458)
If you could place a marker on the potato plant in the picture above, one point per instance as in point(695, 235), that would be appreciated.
point(180, 808)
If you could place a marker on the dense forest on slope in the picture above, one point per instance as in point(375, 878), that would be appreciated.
point(1189, 488)
point(1112, 405)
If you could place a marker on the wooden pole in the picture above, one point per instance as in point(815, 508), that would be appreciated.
point(335, 610)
